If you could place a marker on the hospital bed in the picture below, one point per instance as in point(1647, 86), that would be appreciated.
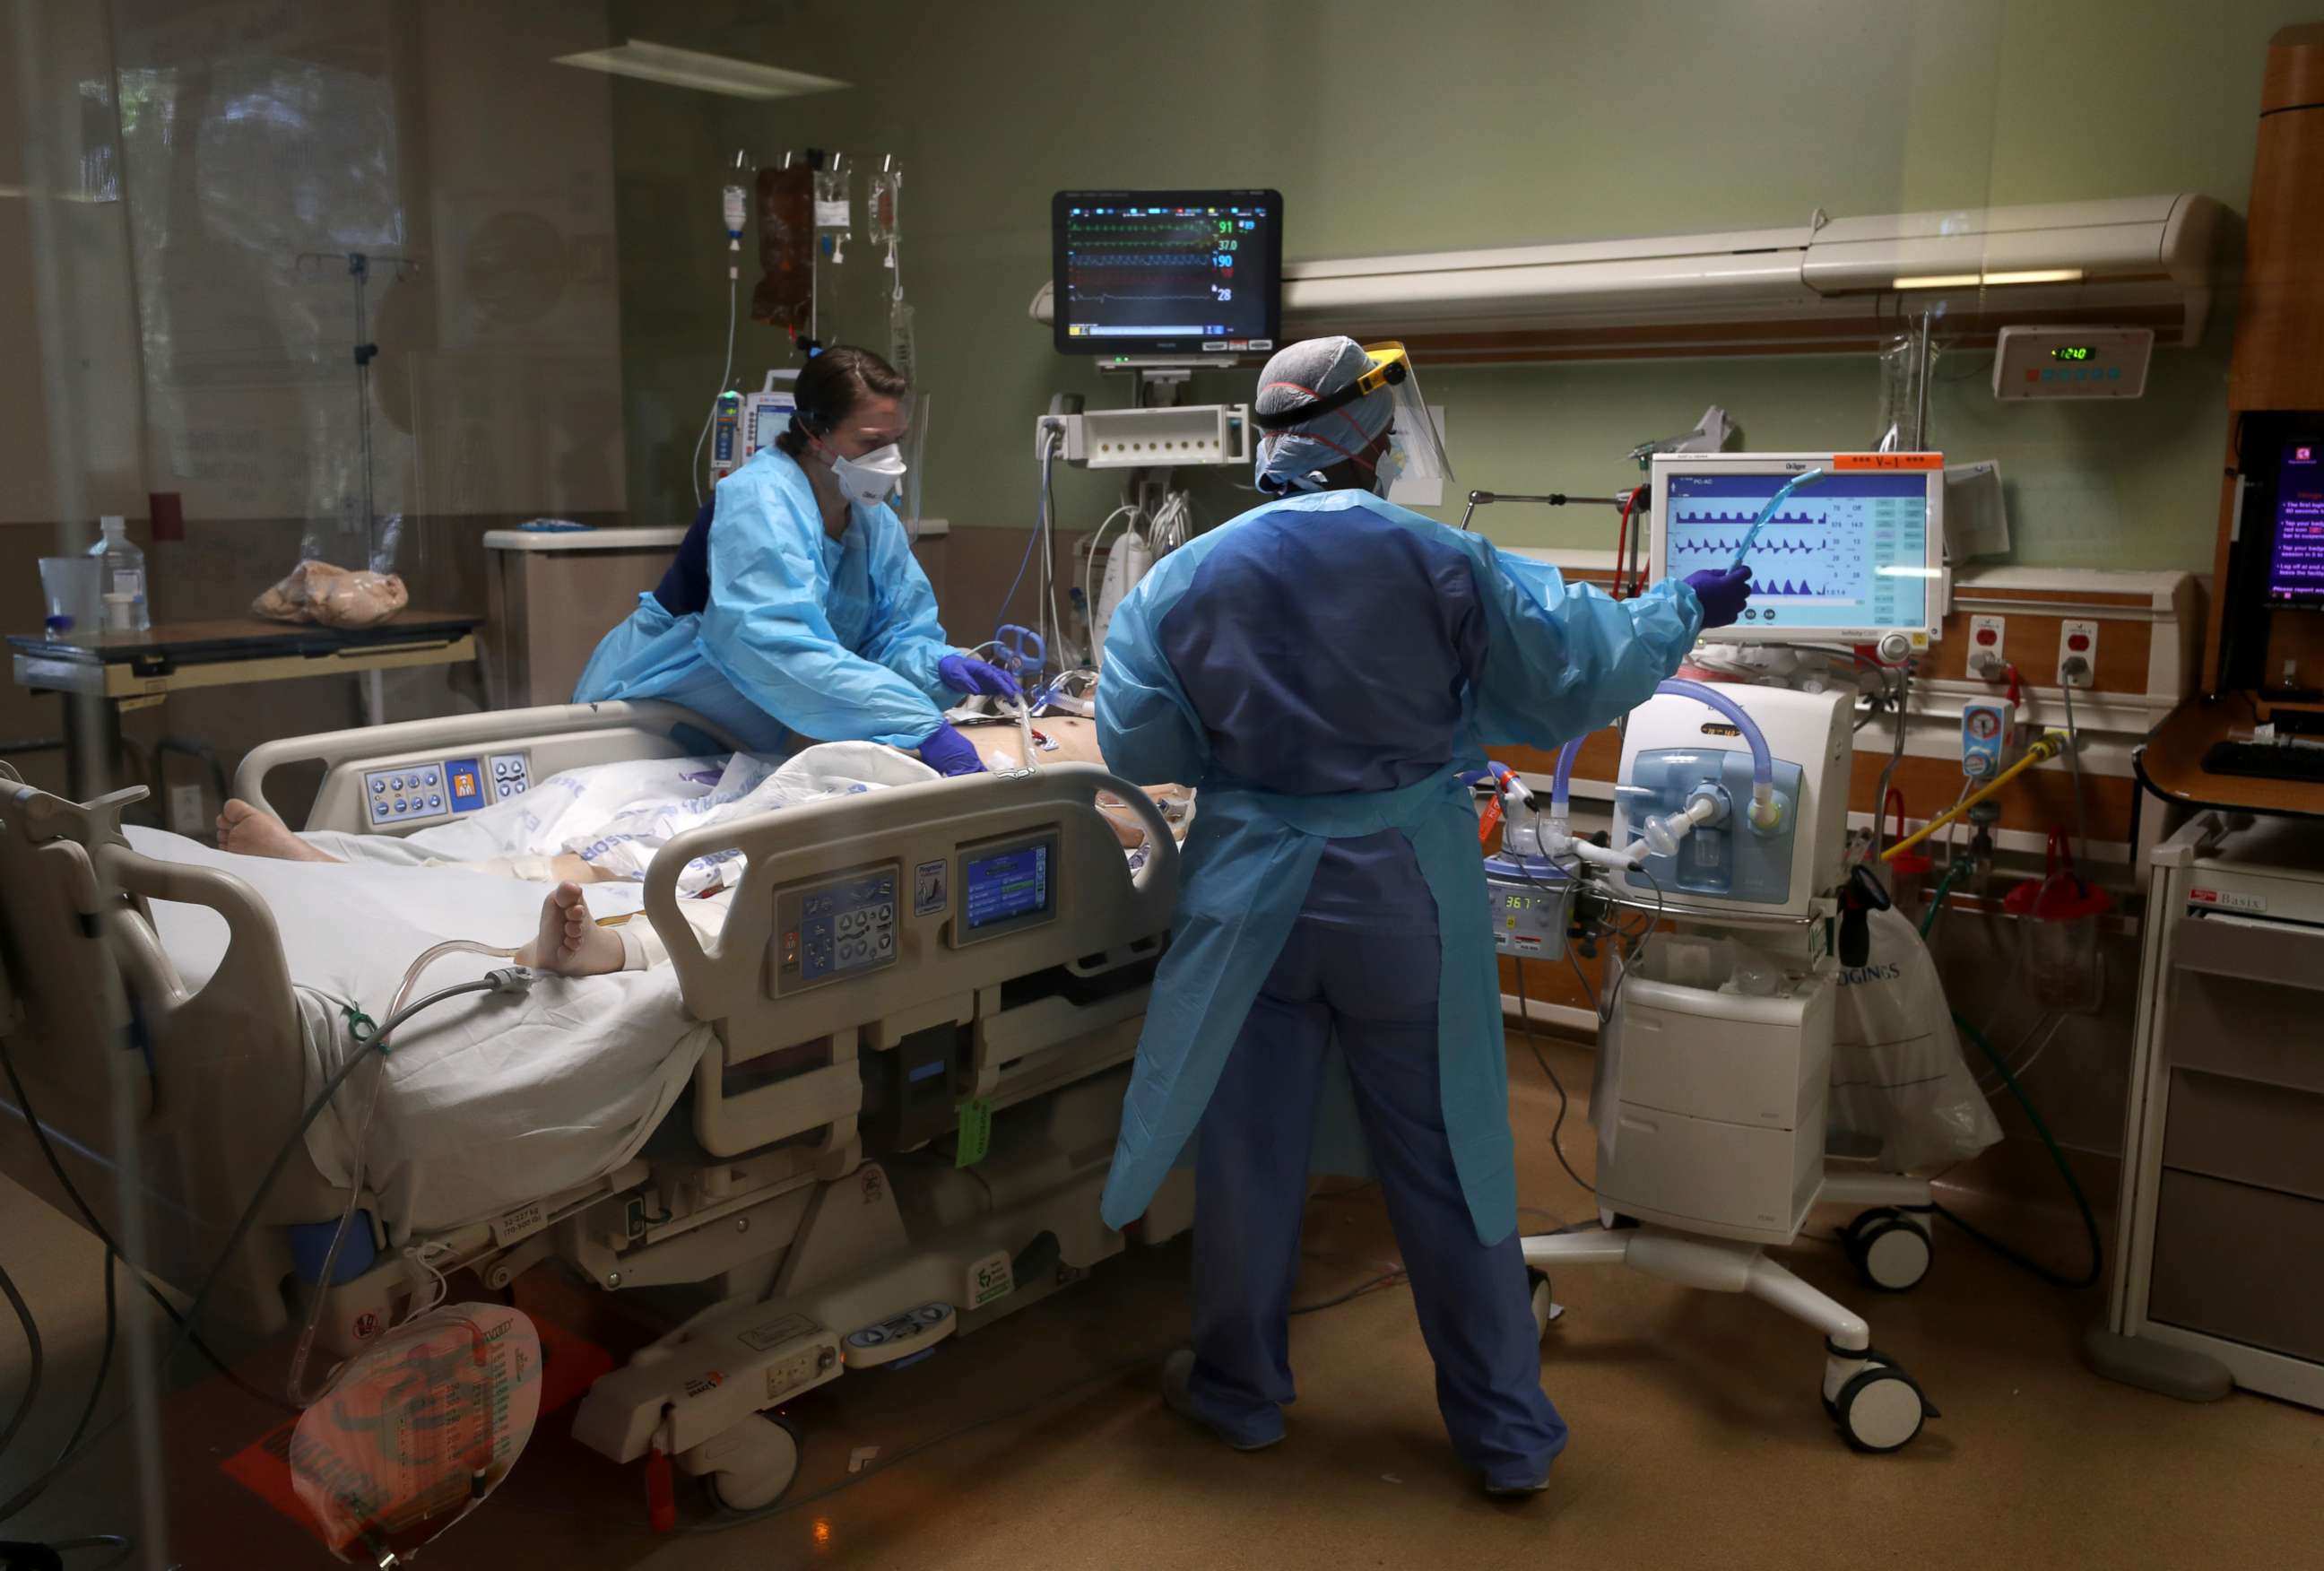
point(920, 1009)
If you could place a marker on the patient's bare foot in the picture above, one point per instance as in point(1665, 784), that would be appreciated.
point(248, 831)
point(569, 943)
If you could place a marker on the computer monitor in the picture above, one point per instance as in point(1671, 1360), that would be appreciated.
point(2295, 544)
point(1850, 557)
point(1189, 276)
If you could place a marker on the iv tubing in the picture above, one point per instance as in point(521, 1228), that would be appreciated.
point(295, 1380)
point(2051, 745)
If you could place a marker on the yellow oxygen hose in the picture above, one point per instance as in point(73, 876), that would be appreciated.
point(2050, 744)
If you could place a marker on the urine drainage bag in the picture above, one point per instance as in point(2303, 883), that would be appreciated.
point(417, 1429)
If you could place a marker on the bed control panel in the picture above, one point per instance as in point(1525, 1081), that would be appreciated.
point(835, 928)
point(435, 789)
point(1004, 886)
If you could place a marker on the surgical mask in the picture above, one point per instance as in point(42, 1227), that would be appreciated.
point(873, 478)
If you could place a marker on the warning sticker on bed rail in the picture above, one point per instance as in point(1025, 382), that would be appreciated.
point(930, 893)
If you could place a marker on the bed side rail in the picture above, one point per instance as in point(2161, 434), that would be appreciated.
point(557, 736)
point(70, 1005)
point(171, 1100)
point(785, 1065)
point(1099, 901)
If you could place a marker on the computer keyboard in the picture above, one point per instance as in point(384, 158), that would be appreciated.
point(2299, 761)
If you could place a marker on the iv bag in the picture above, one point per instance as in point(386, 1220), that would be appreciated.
point(784, 295)
point(879, 226)
point(835, 210)
point(418, 1430)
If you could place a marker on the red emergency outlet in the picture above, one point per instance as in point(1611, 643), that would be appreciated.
point(2080, 643)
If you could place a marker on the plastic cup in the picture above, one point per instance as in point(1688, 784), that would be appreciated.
point(74, 589)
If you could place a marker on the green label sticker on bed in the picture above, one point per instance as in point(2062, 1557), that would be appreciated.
point(975, 1132)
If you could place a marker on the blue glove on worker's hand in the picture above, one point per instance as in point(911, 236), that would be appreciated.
point(947, 751)
point(1722, 591)
point(965, 674)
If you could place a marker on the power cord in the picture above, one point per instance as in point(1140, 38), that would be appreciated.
point(1533, 1042)
point(508, 979)
point(113, 1249)
point(36, 1360)
point(2081, 1201)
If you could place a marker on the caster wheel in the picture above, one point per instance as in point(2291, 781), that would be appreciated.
point(1544, 1308)
point(767, 1468)
point(1871, 1355)
point(1891, 1249)
point(1880, 1409)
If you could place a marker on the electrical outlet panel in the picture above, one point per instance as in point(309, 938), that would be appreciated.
point(1986, 656)
point(2078, 640)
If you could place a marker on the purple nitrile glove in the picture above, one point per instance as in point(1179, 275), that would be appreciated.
point(967, 674)
point(947, 751)
point(1722, 591)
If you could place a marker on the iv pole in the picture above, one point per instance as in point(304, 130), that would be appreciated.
point(359, 266)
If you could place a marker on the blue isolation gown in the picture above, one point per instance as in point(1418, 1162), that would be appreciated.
point(768, 626)
point(1324, 668)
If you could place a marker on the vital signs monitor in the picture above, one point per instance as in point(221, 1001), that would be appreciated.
point(1853, 554)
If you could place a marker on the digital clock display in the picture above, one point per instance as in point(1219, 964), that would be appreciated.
point(2073, 351)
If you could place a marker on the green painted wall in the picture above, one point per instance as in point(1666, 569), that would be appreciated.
point(1395, 127)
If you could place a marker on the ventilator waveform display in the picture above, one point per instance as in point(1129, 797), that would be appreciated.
point(1848, 551)
point(1136, 274)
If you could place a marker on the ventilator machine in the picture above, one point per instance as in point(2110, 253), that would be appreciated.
point(1729, 848)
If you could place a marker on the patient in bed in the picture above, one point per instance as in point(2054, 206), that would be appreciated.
point(604, 824)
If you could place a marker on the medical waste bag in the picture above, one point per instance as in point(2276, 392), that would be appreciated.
point(418, 1430)
point(316, 591)
point(1898, 1078)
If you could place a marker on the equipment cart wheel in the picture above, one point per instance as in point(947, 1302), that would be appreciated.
point(1544, 1308)
point(1881, 1407)
point(762, 1470)
point(1890, 1248)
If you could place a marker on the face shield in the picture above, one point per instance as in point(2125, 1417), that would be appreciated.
point(1382, 400)
point(1414, 451)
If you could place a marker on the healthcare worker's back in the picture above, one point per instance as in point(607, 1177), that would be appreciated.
point(1324, 668)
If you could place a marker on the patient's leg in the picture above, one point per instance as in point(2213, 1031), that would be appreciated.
point(569, 943)
point(249, 831)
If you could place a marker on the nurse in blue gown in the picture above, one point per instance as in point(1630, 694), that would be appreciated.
point(795, 611)
point(1325, 667)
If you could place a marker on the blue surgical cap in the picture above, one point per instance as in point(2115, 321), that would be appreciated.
point(1303, 373)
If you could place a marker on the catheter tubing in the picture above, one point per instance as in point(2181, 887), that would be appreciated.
point(2053, 743)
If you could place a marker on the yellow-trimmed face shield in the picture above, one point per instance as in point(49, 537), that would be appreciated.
point(1375, 419)
point(1415, 447)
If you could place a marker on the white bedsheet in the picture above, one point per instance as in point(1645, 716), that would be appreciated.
point(491, 1100)
point(616, 815)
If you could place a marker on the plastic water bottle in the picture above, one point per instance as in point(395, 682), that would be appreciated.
point(123, 586)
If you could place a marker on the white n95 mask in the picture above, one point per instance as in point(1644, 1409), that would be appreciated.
point(873, 478)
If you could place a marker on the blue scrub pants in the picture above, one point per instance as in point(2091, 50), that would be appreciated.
point(1377, 991)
